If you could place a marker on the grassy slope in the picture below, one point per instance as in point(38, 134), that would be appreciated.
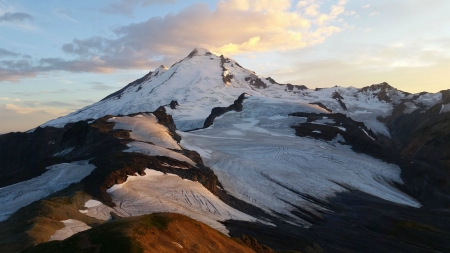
point(161, 232)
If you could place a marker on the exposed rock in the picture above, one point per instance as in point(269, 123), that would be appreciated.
point(26, 155)
point(256, 81)
point(290, 87)
point(425, 139)
point(218, 111)
point(174, 104)
point(339, 98)
point(167, 121)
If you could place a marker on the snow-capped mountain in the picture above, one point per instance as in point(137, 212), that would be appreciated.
point(296, 168)
point(204, 80)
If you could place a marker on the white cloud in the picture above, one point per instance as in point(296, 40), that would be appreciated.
point(366, 6)
point(126, 7)
point(374, 13)
point(17, 118)
point(234, 27)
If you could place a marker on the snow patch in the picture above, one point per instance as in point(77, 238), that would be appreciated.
point(153, 150)
point(71, 227)
point(159, 192)
point(57, 177)
point(146, 128)
point(92, 203)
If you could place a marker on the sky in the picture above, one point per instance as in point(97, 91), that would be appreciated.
point(58, 56)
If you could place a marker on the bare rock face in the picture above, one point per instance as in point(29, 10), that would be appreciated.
point(218, 111)
point(174, 104)
point(26, 155)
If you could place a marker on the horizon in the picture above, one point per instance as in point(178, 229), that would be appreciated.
point(58, 57)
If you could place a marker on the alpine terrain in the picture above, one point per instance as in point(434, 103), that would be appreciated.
point(207, 156)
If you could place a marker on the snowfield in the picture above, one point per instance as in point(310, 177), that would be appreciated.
point(145, 127)
point(56, 178)
point(159, 192)
point(153, 150)
point(71, 227)
point(264, 163)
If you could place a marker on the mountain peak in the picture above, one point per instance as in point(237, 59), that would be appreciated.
point(199, 52)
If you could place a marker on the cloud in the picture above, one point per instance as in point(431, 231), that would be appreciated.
point(126, 7)
point(234, 27)
point(16, 17)
point(412, 66)
point(64, 14)
point(86, 101)
point(374, 13)
point(7, 53)
point(101, 87)
point(10, 99)
point(366, 6)
point(29, 110)
point(19, 118)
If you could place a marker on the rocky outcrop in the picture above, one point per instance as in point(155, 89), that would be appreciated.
point(167, 121)
point(256, 82)
point(173, 104)
point(424, 138)
point(290, 87)
point(26, 155)
point(339, 98)
point(218, 111)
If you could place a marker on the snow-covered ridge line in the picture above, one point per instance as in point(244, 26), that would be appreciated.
point(198, 83)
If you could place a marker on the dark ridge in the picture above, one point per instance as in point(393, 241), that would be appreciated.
point(256, 81)
point(228, 77)
point(290, 87)
point(339, 98)
point(321, 106)
point(270, 79)
point(26, 155)
point(162, 82)
point(173, 104)
point(218, 111)
point(132, 84)
point(379, 226)
point(353, 135)
point(90, 140)
point(424, 137)
point(445, 96)
point(239, 65)
point(374, 87)
point(167, 121)
point(192, 54)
